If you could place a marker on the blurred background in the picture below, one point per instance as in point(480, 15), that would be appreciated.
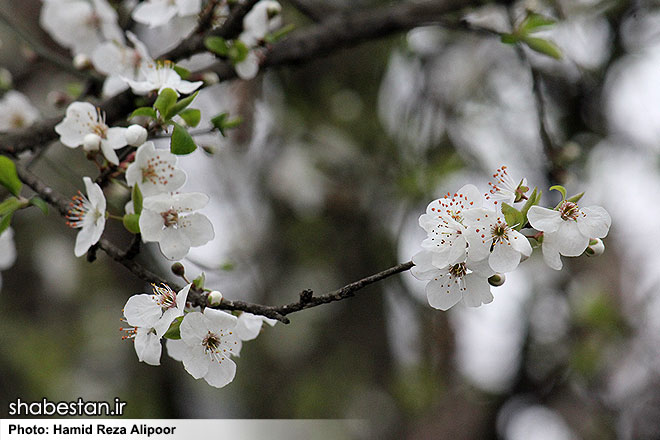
point(323, 184)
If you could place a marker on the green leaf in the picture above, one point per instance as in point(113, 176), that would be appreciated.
point(176, 108)
point(182, 142)
point(276, 36)
point(5, 222)
point(222, 122)
point(10, 205)
point(174, 332)
point(238, 52)
point(217, 45)
point(144, 111)
point(509, 38)
point(531, 201)
point(543, 46)
point(136, 195)
point(199, 281)
point(576, 197)
point(166, 99)
point(8, 176)
point(512, 216)
point(182, 71)
point(132, 223)
point(561, 189)
point(39, 203)
point(192, 116)
point(533, 22)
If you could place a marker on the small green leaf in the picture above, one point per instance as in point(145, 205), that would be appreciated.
point(223, 123)
point(166, 99)
point(533, 22)
point(199, 281)
point(144, 111)
point(39, 203)
point(182, 71)
point(132, 223)
point(576, 197)
point(192, 116)
point(8, 176)
point(174, 332)
point(276, 36)
point(5, 222)
point(512, 216)
point(217, 45)
point(176, 108)
point(531, 201)
point(182, 142)
point(561, 189)
point(509, 38)
point(136, 195)
point(238, 52)
point(10, 205)
point(543, 46)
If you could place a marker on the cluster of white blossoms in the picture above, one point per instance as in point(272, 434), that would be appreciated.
point(263, 19)
point(470, 247)
point(204, 341)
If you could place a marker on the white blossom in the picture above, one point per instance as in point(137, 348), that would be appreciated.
point(168, 220)
point(249, 67)
point(16, 111)
point(88, 214)
point(80, 25)
point(465, 281)
point(117, 61)
point(262, 19)
point(489, 236)
point(159, 76)
point(81, 119)
point(159, 12)
point(249, 325)
point(207, 341)
point(505, 189)
point(154, 171)
point(568, 229)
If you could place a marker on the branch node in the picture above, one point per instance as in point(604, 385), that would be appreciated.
point(306, 296)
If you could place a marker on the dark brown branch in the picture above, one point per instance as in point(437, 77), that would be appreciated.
point(315, 13)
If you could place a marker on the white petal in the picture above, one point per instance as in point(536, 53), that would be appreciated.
point(147, 346)
point(198, 229)
point(504, 258)
point(197, 362)
point(477, 291)
point(595, 223)
point(220, 373)
point(187, 87)
point(151, 225)
point(249, 67)
point(481, 268)
point(219, 320)
point(194, 328)
point(109, 152)
point(94, 194)
point(440, 295)
point(142, 311)
point(569, 240)
point(89, 234)
point(472, 194)
point(248, 326)
point(188, 7)
point(174, 244)
point(76, 124)
point(182, 297)
point(544, 219)
point(423, 269)
point(520, 243)
point(177, 349)
point(550, 252)
point(116, 137)
point(165, 321)
point(153, 14)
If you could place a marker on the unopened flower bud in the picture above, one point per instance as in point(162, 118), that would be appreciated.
point(210, 78)
point(82, 62)
point(57, 98)
point(136, 135)
point(596, 247)
point(497, 280)
point(214, 298)
point(92, 143)
point(178, 269)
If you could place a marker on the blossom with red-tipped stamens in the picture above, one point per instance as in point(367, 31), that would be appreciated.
point(505, 189)
point(87, 213)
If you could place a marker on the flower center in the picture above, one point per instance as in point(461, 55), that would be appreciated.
point(458, 270)
point(101, 130)
point(568, 210)
point(17, 121)
point(170, 218)
point(164, 296)
point(499, 232)
point(212, 344)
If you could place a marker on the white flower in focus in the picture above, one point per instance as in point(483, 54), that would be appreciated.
point(7, 249)
point(568, 229)
point(262, 19)
point(159, 76)
point(156, 311)
point(80, 25)
point(505, 189)
point(116, 60)
point(465, 281)
point(154, 171)
point(147, 344)
point(489, 236)
point(81, 119)
point(87, 213)
point(159, 12)
point(168, 219)
point(16, 111)
point(208, 340)
point(249, 325)
point(443, 223)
